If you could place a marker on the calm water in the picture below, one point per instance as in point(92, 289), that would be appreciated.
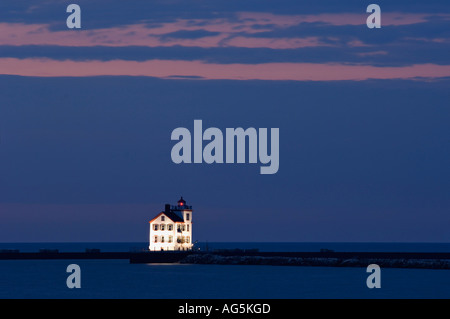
point(119, 279)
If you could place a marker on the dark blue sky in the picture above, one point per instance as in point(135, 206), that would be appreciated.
point(87, 158)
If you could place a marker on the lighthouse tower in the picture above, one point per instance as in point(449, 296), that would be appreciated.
point(171, 229)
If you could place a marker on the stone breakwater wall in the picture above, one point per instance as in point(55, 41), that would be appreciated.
point(315, 261)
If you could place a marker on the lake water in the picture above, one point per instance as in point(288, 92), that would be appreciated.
point(119, 279)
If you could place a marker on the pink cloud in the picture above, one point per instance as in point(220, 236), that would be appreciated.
point(138, 35)
point(434, 40)
point(265, 71)
point(141, 35)
point(229, 31)
point(279, 43)
point(372, 53)
point(388, 18)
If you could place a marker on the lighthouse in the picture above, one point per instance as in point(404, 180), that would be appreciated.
point(171, 229)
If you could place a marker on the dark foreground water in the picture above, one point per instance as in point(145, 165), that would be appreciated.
point(119, 279)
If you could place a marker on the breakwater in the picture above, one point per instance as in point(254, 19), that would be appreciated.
point(54, 254)
point(354, 261)
point(253, 257)
point(324, 259)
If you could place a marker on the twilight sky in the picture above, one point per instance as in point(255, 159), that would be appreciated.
point(86, 118)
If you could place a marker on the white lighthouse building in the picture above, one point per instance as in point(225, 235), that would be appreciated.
point(172, 228)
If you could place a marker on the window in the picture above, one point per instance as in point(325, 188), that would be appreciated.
point(170, 239)
point(188, 239)
point(187, 216)
point(156, 239)
point(162, 226)
point(184, 227)
point(155, 227)
point(163, 218)
point(162, 239)
point(187, 227)
point(169, 227)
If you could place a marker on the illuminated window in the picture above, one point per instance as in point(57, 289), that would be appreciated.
point(188, 240)
point(170, 239)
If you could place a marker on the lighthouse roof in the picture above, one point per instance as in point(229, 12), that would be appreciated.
point(174, 216)
point(171, 215)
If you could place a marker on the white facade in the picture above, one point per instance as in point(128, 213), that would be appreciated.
point(172, 228)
